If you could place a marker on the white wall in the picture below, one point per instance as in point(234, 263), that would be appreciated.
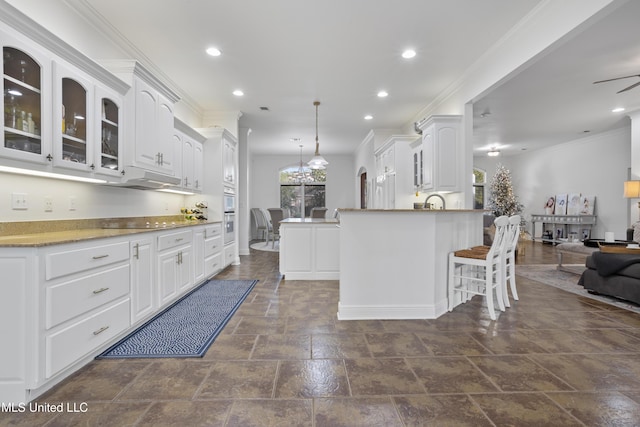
point(265, 188)
point(92, 201)
point(594, 165)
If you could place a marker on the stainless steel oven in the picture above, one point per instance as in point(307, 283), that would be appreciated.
point(229, 227)
point(229, 201)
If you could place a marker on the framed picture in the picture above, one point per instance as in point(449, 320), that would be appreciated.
point(573, 204)
point(587, 203)
point(549, 207)
point(561, 204)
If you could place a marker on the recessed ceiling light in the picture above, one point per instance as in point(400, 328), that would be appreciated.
point(408, 54)
point(238, 92)
point(368, 117)
point(618, 110)
point(382, 94)
point(14, 92)
point(214, 51)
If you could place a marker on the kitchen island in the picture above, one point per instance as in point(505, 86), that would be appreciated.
point(393, 263)
point(309, 249)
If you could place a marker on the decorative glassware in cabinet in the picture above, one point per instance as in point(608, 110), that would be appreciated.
point(22, 101)
point(74, 113)
point(109, 135)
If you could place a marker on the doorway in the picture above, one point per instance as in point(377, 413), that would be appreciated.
point(363, 190)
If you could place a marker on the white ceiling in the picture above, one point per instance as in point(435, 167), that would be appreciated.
point(554, 99)
point(285, 54)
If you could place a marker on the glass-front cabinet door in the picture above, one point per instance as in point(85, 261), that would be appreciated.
point(73, 109)
point(25, 91)
point(109, 108)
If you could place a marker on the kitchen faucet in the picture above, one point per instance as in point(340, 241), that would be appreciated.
point(426, 204)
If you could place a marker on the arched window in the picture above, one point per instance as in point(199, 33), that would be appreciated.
point(302, 188)
point(479, 181)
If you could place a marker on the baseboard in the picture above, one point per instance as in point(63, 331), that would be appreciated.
point(364, 312)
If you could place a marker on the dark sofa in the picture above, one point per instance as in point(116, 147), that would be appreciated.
point(616, 275)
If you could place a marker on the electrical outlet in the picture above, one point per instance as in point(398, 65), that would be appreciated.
point(19, 201)
point(72, 203)
point(48, 204)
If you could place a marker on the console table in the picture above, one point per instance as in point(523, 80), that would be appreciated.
point(563, 226)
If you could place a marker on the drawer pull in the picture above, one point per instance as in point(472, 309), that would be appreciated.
point(99, 291)
point(100, 256)
point(179, 239)
point(101, 330)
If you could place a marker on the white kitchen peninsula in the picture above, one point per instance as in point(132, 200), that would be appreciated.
point(309, 249)
point(393, 263)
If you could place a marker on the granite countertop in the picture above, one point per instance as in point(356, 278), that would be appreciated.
point(46, 233)
point(412, 210)
point(309, 221)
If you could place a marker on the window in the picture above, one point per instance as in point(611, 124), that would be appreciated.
point(302, 189)
point(479, 181)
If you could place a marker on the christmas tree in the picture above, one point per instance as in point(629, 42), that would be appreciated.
point(502, 201)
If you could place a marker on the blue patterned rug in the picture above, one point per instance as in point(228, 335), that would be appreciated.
point(189, 326)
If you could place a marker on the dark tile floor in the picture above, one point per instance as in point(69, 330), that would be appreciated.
point(552, 359)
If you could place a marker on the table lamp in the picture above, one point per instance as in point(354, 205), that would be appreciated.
point(632, 191)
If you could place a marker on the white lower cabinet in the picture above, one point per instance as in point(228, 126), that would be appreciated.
point(84, 302)
point(198, 254)
point(229, 254)
point(66, 346)
point(174, 264)
point(62, 304)
point(142, 283)
point(212, 249)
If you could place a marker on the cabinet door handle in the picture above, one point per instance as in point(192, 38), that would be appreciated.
point(161, 158)
point(101, 330)
point(136, 255)
point(100, 256)
point(99, 291)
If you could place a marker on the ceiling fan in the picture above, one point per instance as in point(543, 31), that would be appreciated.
point(619, 78)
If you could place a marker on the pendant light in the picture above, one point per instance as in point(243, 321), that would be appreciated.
point(317, 162)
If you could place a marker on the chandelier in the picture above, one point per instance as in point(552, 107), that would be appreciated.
point(317, 162)
point(302, 175)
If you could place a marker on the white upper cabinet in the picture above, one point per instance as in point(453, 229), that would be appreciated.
point(153, 128)
point(188, 153)
point(26, 85)
point(109, 131)
point(54, 98)
point(394, 180)
point(73, 105)
point(229, 160)
point(441, 147)
point(149, 122)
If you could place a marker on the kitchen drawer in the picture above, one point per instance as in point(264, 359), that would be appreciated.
point(60, 264)
point(172, 240)
point(69, 299)
point(65, 347)
point(229, 254)
point(212, 265)
point(214, 230)
point(212, 246)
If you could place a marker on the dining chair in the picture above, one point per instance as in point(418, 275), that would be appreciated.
point(509, 259)
point(267, 219)
point(277, 215)
point(318, 212)
point(260, 223)
point(480, 272)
